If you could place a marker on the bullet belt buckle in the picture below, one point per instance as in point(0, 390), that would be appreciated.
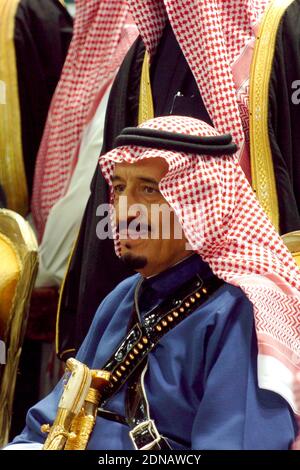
point(145, 436)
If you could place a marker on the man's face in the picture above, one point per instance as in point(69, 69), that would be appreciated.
point(150, 236)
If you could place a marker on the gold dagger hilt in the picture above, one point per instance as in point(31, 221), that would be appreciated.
point(77, 408)
point(83, 424)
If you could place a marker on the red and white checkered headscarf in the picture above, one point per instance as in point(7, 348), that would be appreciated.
point(217, 39)
point(224, 223)
point(103, 33)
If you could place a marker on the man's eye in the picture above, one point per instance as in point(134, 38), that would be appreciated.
point(149, 190)
point(119, 188)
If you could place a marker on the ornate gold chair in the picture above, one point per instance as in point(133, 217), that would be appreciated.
point(292, 241)
point(18, 268)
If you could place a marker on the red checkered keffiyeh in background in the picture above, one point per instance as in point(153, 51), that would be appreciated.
point(217, 39)
point(103, 33)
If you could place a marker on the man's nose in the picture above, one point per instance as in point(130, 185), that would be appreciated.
point(131, 199)
point(129, 209)
point(129, 205)
point(123, 203)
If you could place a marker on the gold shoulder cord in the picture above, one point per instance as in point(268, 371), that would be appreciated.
point(12, 171)
point(146, 109)
point(263, 177)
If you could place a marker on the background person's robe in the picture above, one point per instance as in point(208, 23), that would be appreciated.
point(43, 32)
point(201, 381)
point(35, 54)
point(94, 270)
point(284, 118)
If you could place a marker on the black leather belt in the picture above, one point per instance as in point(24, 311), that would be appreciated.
point(144, 434)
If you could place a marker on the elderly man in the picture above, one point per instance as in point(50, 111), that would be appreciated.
point(199, 349)
point(197, 63)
